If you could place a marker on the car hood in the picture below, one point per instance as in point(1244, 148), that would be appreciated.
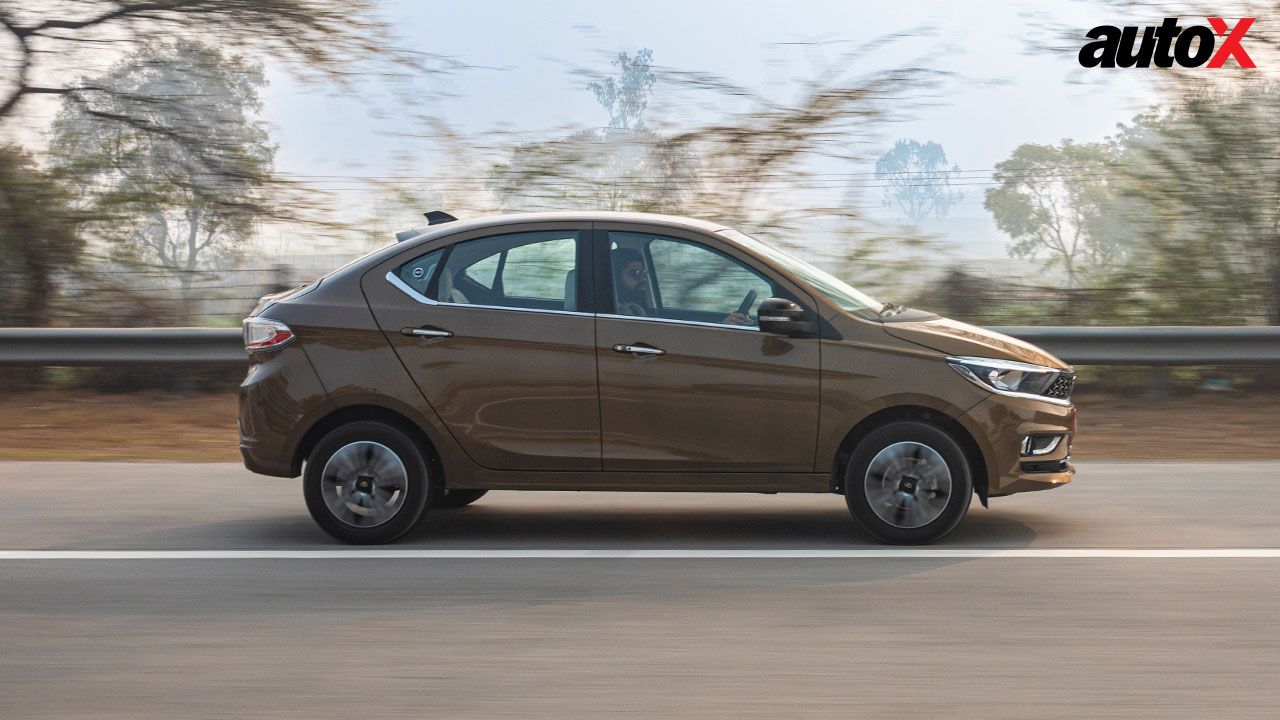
point(961, 339)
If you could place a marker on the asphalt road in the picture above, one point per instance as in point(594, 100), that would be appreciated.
point(994, 637)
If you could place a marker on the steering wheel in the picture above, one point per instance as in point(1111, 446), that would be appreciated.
point(747, 302)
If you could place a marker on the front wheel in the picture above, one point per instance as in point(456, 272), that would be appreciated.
point(366, 483)
point(908, 483)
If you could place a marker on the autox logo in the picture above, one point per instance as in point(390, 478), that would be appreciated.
point(1167, 44)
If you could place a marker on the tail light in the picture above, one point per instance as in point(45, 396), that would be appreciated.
point(264, 334)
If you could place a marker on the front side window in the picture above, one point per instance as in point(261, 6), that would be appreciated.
point(674, 279)
point(532, 271)
point(835, 289)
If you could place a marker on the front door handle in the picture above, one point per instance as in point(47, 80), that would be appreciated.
point(639, 349)
point(426, 331)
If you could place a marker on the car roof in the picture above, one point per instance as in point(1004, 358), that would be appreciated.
point(448, 228)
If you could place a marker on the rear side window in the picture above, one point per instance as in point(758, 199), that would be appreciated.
point(539, 270)
point(417, 272)
point(530, 271)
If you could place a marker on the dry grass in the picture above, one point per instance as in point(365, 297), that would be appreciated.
point(1207, 426)
point(66, 425)
point(148, 426)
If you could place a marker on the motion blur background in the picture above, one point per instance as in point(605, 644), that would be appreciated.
point(165, 164)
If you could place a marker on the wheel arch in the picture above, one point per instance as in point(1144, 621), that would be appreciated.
point(972, 450)
point(354, 413)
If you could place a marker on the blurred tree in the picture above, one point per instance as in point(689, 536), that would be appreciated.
point(624, 166)
point(154, 196)
point(61, 49)
point(754, 164)
point(750, 159)
point(38, 238)
point(1201, 186)
point(1048, 199)
point(315, 37)
point(627, 96)
point(608, 169)
point(918, 180)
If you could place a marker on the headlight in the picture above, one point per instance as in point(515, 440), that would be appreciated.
point(1006, 376)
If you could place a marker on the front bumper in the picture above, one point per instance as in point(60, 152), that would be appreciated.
point(1002, 422)
point(1029, 482)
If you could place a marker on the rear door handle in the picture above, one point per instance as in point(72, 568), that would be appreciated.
point(639, 349)
point(426, 331)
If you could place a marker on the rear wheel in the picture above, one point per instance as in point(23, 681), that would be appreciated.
point(908, 483)
point(450, 499)
point(366, 483)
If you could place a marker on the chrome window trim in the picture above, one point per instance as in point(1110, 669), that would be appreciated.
point(517, 309)
point(404, 288)
point(696, 323)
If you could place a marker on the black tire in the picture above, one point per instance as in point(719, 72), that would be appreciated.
point(452, 499)
point(358, 440)
point(903, 450)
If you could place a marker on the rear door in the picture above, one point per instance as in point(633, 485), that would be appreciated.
point(687, 383)
point(493, 333)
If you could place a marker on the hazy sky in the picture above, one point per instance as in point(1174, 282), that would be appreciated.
point(1001, 96)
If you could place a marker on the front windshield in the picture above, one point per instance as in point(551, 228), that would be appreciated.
point(835, 289)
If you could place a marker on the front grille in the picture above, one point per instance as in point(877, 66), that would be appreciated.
point(1061, 388)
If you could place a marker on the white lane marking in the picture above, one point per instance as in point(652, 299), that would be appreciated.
point(644, 554)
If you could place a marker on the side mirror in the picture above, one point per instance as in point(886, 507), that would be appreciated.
point(784, 317)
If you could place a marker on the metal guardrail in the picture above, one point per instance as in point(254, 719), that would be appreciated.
point(121, 346)
point(1166, 345)
point(1156, 345)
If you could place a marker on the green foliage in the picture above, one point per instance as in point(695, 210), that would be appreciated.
point(38, 238)
point(918, 180)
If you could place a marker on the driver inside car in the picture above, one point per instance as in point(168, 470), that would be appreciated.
point(631, 284)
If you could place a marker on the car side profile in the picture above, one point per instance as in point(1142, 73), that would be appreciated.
point(626, 351)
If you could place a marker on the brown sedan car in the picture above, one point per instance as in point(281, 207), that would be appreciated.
point(620, 351)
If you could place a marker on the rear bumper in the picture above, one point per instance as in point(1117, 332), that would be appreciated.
point(270, 465)
point(280, 390)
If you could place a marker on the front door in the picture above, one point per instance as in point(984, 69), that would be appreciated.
point(490, 330)
point(687, 380)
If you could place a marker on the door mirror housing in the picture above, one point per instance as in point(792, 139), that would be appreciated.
point(784, 317)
